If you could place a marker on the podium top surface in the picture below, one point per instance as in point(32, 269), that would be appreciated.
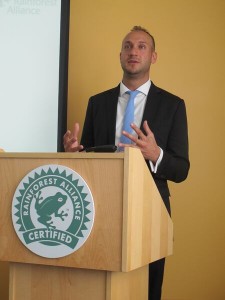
point(79, 155)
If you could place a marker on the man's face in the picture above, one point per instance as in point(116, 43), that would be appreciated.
point(137, 54)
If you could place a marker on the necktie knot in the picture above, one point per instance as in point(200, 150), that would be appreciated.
point(132, 94)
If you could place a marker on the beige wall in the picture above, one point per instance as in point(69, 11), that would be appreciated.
point(191, 49)
point(191, 62)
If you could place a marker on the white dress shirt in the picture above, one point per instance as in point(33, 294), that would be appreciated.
point(139, 106)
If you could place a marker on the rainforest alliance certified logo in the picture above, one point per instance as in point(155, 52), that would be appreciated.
point(53, 211)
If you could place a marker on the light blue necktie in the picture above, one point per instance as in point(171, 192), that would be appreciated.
point(129, 117)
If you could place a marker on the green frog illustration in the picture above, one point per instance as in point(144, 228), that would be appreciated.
point(50, 206)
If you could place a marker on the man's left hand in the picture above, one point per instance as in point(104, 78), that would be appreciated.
point(145, 142)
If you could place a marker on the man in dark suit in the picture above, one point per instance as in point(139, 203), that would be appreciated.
point(159, 126)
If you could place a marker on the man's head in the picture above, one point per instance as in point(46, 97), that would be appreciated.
point(137, 53)
point(139, 28)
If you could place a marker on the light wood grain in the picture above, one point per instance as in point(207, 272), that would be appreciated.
point(147, 226)
point(102, 250)
point(131, 229)
point(52, 283)
point(131, 285)
point(34, 282)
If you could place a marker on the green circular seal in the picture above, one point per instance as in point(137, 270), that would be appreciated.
point(53, 211)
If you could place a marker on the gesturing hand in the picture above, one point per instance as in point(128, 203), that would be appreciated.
point(145, 142)
point(70, 140)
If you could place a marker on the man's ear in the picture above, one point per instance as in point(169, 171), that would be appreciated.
point(154, 57)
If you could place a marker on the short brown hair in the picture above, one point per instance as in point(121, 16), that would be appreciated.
point(140, 28)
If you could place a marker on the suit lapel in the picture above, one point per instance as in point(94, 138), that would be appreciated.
point(151, 106)
point(111, 102)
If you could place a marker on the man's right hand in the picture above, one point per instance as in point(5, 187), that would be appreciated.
point(70, 140)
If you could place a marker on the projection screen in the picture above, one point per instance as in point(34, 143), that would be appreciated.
point(33, 74)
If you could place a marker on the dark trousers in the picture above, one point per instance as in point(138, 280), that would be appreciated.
point(156, 271)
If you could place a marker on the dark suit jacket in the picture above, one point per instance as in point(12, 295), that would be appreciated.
point(166, 116)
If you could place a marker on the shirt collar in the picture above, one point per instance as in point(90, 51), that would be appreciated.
point(144, 88)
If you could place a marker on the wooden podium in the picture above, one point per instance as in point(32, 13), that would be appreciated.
point(131, 229)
